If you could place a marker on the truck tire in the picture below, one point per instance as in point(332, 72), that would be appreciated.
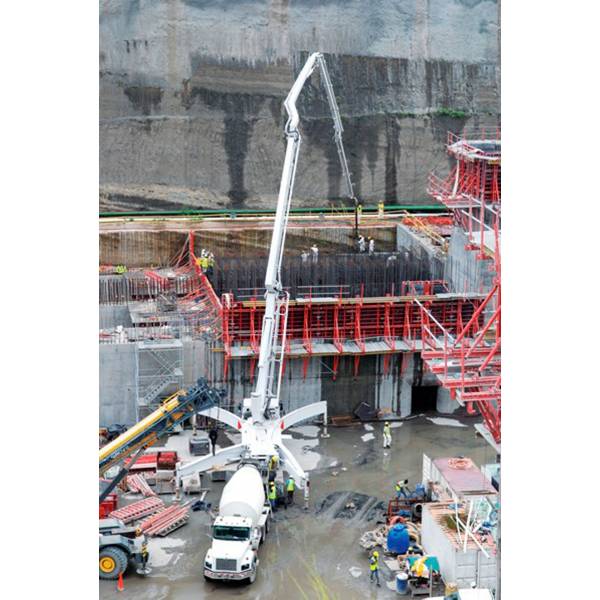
point(112, 562)
point(252, 578)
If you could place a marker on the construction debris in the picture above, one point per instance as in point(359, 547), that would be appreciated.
point(375, 537)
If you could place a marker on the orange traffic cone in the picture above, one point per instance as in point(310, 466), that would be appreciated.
point(120, 586)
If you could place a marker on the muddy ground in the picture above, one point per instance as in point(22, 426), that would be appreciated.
point(310, 552)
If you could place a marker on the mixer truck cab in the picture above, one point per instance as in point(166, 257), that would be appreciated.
point(239, 529)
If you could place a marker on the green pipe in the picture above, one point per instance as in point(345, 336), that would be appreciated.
point(268, 211)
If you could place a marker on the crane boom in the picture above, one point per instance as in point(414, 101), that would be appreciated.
point(173, 411)
point(264, 401)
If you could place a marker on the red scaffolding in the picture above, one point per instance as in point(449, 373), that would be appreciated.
point(339, 326)
point(469, 364)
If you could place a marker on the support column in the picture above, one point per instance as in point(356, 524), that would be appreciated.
point(406, 383)
point(445, 404)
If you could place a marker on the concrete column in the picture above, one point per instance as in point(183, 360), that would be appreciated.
point(386, 385)
point(445, 404)
point(406, 383)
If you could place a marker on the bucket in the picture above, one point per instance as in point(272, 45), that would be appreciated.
point(402, 583)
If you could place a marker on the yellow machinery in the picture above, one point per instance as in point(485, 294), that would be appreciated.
point(173, 411)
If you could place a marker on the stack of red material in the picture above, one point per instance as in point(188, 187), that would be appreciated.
point(138, 484)
point(166, 461)
point(162, 460)
point(167, 520)
point(137, 510)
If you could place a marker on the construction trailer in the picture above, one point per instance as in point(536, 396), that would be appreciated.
point(451, 526)
point(457, 565)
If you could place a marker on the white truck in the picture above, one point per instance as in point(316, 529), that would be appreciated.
point(240, 527)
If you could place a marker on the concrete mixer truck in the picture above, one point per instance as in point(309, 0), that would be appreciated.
point(240, 527)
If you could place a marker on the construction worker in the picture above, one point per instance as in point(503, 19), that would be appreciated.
point(304, 257)
point(362, 246)
point(204, 261)
point(272, 495)
point(401, 488)
point(387, 435)
point(315, 253)
point(210, 264)
point(273, 463)
point(371, 246)
point(213, 434)
point(290, 486)
point(380, 209)
point(359, 210)
point(374, 566)
point(272, 468)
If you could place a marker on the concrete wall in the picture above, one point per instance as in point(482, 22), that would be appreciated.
point(391, 393)
point(113, 315)
point(191, 96)
point(151, 248)
point(463, 270)
point(117, 384)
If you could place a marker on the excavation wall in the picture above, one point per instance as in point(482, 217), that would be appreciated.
point(191, 96)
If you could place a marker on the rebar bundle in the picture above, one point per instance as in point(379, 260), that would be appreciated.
point(338, 274)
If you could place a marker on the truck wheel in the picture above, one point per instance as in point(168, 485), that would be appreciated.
point(113, 561)
point(252, 578)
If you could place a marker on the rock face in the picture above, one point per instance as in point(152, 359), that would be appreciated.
point(191, 96)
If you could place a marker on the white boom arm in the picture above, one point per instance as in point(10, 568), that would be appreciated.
point(261, 425)
point(264, 401)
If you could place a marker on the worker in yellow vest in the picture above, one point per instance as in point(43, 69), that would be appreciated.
point(204, 263)
point(374, 567)
point(272, 495)
point(387, 435)
point(290, 486)
point(401, 488)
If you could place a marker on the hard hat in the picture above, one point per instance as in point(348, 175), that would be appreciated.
point(376, 554)
point(387, 422)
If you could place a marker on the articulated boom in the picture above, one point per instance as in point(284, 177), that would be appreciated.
point(264, 401)
point(261, 424)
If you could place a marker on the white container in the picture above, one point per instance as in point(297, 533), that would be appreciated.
point(243, 496)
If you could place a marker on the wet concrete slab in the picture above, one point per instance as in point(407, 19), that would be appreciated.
point(308, 554)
